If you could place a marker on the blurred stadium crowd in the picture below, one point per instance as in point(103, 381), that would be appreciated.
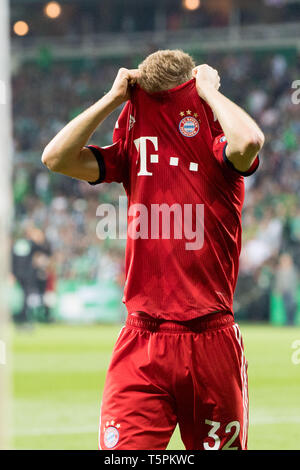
point(80, 18)
point(55, 217)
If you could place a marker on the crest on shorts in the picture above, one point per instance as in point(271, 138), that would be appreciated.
point(189, 125)
point(111, 434)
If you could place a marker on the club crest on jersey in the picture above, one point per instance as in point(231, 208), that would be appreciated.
point(189, 125)
point(111, 434)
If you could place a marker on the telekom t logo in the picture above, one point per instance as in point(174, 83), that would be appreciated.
point(141, 146)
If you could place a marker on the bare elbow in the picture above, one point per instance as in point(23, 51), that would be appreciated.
point(253, 144)
point(51, 160)
point(46, 158)
point(258, 141)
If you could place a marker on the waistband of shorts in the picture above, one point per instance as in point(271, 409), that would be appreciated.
point(212, 321)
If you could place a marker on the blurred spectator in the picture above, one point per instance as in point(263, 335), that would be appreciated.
point(30, 261)
point(286, 284)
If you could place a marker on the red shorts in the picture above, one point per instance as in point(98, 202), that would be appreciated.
point(163, 373)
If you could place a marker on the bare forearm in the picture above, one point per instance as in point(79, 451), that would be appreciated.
point(64, 149)
point(239, 128)
point(244, 137)
point(65, 153)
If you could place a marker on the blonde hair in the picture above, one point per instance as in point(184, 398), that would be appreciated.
point(165, 69)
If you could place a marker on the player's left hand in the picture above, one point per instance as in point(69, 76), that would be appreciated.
point(206, 76)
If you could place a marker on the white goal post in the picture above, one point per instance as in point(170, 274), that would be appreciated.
point(5, 217)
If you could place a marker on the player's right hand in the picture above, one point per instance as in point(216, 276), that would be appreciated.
point(125, 78)
point(206, 76)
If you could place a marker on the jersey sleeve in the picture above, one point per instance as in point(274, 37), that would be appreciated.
point(112, 162)
point(219, 144)
point(219, 151)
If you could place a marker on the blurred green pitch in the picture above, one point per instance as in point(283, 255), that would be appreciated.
point(59, 373)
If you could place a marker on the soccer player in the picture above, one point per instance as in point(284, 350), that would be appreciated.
point(181, 150)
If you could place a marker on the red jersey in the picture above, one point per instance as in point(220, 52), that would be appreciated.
point(184, 204)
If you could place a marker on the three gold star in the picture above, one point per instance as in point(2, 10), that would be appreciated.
point(188, 112)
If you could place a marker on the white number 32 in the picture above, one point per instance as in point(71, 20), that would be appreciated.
point(213, 434)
